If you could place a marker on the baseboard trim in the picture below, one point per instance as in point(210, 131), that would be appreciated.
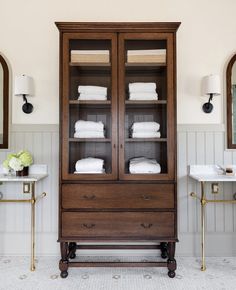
point(217, 245)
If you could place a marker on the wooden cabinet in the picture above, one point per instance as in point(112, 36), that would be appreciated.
point(115, 204)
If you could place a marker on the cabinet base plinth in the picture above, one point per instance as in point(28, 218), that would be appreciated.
point(68, 252)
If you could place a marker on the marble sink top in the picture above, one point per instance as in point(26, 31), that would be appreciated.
point(210, 173)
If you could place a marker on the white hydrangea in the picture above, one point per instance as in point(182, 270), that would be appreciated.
point(16, 164)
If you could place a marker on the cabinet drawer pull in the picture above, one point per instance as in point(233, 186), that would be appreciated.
point(90, 197)
point(146, 197)
point(146, 226)
point(88, 226)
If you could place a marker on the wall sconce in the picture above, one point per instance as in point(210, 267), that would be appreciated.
point(24, 87)
point(211, 87)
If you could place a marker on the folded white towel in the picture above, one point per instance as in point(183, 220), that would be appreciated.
point(82, 125)
point(94, 97)
point(144, 165)
point(92, 90)
point(90, 172)
point(89, 164)
point(145, 126)
point(147, 134)
point(147, 52)
point(142, 87)
point(143, 96)
point(89, 134)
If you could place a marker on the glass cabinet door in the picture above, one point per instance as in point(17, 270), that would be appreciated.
point(89, 106)
point(146, 106)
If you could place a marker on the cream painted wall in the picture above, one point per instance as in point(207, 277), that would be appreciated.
point(30, 40)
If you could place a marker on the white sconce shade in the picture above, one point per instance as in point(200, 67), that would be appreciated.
point(23, 85)
point(211, 85)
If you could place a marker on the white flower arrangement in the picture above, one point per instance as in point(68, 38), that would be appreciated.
point(18, 161)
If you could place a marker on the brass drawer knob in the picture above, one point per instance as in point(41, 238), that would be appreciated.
point(88, 226)
point(146, 226)
point(146, 197)
point(89, 197)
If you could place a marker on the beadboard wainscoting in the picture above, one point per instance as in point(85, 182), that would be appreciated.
point(197, 144)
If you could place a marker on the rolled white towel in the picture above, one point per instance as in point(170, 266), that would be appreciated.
point(143, 96)
point(145, 126)
point(146, 134)
point(89, 164)
point(82, 125)
point(91, 96)
point(144, 165)
point(89, 134)
point(142, 87)
point(92, 90)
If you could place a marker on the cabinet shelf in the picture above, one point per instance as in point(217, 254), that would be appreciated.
point(91, 65)
point(90, 103)
point(144, 64)
point(136, 102)
point(100, 140)
point(146, 140)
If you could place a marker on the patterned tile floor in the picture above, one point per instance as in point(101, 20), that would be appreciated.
point(15, 275)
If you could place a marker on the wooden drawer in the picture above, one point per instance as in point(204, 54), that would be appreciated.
point(117, 196)
point(146, 225)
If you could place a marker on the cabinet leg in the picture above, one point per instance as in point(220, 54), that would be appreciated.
point(171, 262)
point(63, 264)
point(163, 250)
point(72, 250)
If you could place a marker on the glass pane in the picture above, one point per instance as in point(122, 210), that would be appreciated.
point(233, 103)
point(90, 107)
point(1, 104)
point(145, 107)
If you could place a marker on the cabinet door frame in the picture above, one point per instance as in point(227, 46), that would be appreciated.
point(171, 104)
point(64, 105)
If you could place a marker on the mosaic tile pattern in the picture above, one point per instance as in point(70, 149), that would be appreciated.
point(15, 275)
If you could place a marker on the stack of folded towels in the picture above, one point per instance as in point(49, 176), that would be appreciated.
point(89, 165)
point(142, 91)
point(145, 130)
point(95, 93)
point(89, 129)
point(144, 165)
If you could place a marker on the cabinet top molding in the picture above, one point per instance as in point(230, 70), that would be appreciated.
point(118, 26)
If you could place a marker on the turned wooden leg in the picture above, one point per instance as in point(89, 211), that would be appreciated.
point(72, 250)
point(63, 264)
point(171, 262)
point(163, 250)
